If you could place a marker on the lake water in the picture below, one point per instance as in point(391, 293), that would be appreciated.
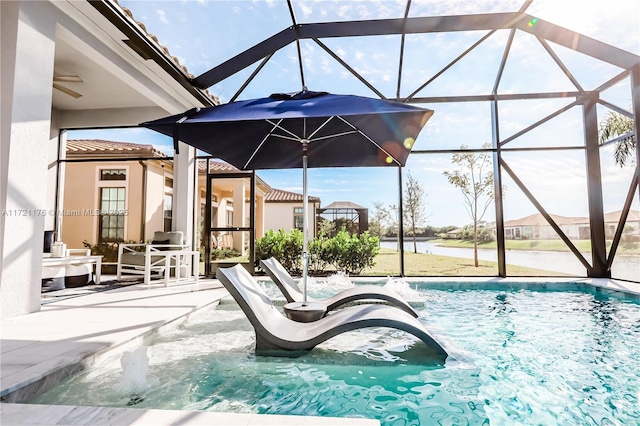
point(624, 267)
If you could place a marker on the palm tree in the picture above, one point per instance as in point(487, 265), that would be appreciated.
point(619, 125)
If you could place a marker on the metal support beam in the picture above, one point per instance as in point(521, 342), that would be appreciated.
point(539, 122)
point(401, 60)
point(503, 62)
point(207, 222)
point(623, 218)
point(486, 98)
point(561, 64)
point(578, 42)
point(400, 222)
point(245, 59)
point(420, 25)
point(594, 189)
point(497, 189)
point(547, 217)
point(635, 100)
point(351, 70)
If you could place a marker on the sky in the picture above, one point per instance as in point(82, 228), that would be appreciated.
point(203, 34)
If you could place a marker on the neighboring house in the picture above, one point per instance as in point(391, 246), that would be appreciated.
point(285, 210)
point(454, 234)
point(632, 225)
point(535, 226)
point(107, 201)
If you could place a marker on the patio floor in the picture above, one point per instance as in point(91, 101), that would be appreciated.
point(80, 328)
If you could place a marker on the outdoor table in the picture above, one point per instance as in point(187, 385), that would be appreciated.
point(76, 260)
point(305, 312)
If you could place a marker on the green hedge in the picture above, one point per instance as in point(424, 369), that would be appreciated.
point(344, 252)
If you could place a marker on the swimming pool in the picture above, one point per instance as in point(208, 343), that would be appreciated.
point(518, 357)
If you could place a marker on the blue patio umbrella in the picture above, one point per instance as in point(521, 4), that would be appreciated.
point(301, 130)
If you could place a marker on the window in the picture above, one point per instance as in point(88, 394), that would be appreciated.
point(298, 218)
point(113, 174)
point(168, 211)
point(168, 204)
point(112, 213)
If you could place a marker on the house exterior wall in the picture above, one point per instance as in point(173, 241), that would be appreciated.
point(574, 231)
point(144, 206)
point(154, 215)
point(279, 215)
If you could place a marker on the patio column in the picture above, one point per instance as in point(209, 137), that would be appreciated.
point(184, 186)
point(27, 40)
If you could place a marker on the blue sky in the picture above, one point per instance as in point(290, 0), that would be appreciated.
point(202, 34)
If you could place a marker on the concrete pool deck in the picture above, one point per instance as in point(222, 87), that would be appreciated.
point(40, 349)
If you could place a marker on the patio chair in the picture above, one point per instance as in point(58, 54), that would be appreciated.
point(276, 333)
point(143, 259)
point(292, 292)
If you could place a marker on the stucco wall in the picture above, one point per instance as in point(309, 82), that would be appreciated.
point(280, 215)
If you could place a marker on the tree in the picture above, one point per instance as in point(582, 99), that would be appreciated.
point(475, 179)
point(380, 217)
point(619, 125)
point(414, 206)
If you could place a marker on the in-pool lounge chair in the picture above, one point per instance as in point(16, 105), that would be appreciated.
point(276, 333)
point(292, 292)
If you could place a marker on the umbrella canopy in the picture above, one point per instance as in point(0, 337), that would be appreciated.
point(266, 133)
point(301, 130)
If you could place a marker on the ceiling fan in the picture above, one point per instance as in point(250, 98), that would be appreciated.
point(67, 79)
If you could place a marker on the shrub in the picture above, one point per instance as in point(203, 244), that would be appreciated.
point(287, 248)
point(350, 254)
point(354, 253)
point(217, 254)
point(319, 250)
point(108, 250)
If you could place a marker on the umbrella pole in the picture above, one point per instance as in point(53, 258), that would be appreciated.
point(305, 223)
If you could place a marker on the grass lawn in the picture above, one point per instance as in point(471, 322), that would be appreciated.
point(388, 263)
point(421, 264)
point(583, 246)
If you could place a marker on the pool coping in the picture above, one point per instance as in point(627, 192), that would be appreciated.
point(70, 335)
point(627, 288)
point(30, 414)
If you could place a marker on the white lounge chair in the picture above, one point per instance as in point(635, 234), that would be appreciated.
point(292, 292)
point(276, 333)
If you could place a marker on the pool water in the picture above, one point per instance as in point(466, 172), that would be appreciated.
point(517, 357)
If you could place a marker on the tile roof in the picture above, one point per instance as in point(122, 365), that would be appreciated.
point(84, 147)
point(634, 216)
point(220, 167)
point(164, 49)
point(538, 220)
point(216, 167)
point(281, 196)
point(344, 205)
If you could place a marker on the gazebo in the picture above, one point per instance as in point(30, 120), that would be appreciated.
point(348, 214)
